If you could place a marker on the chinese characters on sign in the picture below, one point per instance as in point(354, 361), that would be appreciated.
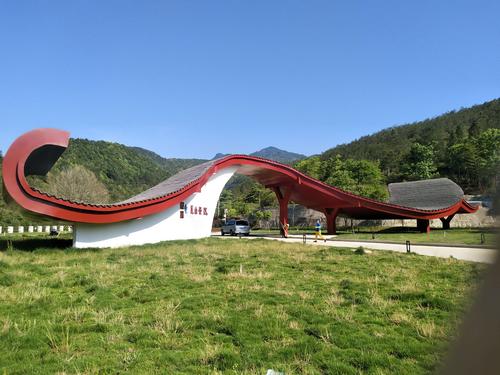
point(198, 210)
point(193, 210)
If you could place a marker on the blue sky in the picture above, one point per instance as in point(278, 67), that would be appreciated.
point(193, 78)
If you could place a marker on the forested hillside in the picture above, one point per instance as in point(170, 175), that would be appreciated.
point(391, 147)
point(125, 171)
point(171, 165)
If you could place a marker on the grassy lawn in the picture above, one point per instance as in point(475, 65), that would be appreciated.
point(456, 236)
point(232, 306)
point(465, 236)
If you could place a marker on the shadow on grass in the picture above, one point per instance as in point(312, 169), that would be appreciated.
point(32, 244)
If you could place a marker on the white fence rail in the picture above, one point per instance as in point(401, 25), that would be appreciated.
point(35, 229)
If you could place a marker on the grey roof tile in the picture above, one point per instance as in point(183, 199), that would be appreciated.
point(432, 194)
point(172, 184)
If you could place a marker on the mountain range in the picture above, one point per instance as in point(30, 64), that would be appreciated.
point(272, 153)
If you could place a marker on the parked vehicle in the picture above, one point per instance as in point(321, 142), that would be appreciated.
point(235, 227)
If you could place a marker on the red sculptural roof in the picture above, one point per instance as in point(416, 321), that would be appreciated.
point(36, 152)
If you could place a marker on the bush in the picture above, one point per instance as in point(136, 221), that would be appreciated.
point(360, 251)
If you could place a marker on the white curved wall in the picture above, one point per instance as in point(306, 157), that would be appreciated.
point(163, 226)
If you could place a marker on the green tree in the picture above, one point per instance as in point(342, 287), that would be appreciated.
point(310, 166)
point(242, 208)
point(239, 204)
point(488, 145)
point(335, 173)
point(462, 164)
point(77, 184)
point(460, 134)
point(419, 163)
point(370, 180)
point(474, 129)
point(260, 195)
point(262, 216)
point(474, 163)
point(456, 135)
point(488, 152)
point(225, 202)
point(362, 177)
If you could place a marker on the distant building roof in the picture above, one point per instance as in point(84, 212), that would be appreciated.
point(432, 194)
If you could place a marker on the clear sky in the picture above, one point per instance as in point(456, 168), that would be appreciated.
point(193, 78)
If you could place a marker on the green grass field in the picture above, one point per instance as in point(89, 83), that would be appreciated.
point(227, 306)
point(455, 236)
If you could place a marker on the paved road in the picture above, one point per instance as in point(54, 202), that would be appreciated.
point(480, 255)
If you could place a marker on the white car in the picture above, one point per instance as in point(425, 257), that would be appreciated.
point(235, 227)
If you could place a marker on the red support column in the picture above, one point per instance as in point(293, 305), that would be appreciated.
point(423, 226)
point(331, 216)
point(446, 221)
point(283, 197)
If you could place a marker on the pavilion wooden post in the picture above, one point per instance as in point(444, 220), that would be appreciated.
point(446, 221)
point(331, 216)
point(423, 226)
point(283, 196)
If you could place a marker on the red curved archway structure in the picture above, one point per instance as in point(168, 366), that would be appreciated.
point(35, 152)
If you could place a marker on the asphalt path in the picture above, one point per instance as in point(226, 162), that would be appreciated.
point(472, 254)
